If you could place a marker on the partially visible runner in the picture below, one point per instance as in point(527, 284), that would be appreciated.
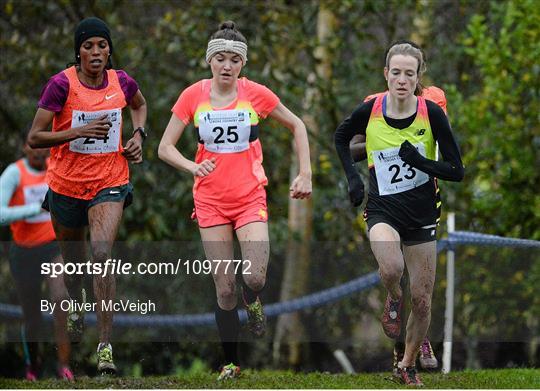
point(22, 190)
point(426, 355)
point(88, 174)
point(401, 130)
point(229, 184)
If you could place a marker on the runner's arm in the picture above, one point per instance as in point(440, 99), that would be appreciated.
point(358, 148)
point(451, 167)
point(168, 152)
point(8, 183)
point(356, 123)
point(301, 186)
point(138, 110)
point(41, 137)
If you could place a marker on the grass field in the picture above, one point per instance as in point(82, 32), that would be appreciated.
point(504, 378)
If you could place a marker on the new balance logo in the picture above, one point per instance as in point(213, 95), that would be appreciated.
point(421, 132)
point(107, 97)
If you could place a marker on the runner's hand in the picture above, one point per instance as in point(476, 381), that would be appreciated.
point(300, 187)
point(356, 191)
point(98, 128)
point(204, 168)
point(408, 153)
point(133, 150)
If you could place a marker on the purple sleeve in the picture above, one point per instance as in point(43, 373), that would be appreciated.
point(54, 94)
point(128, 84)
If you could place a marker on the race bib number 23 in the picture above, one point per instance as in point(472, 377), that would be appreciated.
point(393, 174)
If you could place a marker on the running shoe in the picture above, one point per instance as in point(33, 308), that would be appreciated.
point(409, 376)
point(426, 356)
point(391, 318)
point(30, 373)
point(105, 364)
point(230, 371)
point(399, 352)
point(256, 318)
point(65, 373)
point(75, 320)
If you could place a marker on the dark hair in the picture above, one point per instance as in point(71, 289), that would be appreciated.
point(409, 48)
point(88, 28)
point(227, 30)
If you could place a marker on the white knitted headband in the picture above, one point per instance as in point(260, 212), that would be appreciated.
point(224, 45)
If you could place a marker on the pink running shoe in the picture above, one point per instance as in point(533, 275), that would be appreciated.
point(65, 373)
point(426, 356)
point(30, 374)
point(409, 376)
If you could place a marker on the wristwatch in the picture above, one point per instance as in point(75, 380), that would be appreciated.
point(141, 130)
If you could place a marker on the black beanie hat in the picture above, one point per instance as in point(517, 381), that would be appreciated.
point(88, 28)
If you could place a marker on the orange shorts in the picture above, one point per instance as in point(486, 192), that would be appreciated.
point(209, 215)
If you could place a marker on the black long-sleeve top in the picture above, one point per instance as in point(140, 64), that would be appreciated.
point(417, 201)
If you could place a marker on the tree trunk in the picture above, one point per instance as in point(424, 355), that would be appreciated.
point(290, 332)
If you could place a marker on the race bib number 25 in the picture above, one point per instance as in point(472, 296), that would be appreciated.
point(109, 143)
point(393, 174)
point(225, 131)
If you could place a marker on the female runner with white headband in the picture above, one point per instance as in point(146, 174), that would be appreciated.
point(229, 192)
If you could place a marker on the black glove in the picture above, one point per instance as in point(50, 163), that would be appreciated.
point(408, 153)
point(356, 191)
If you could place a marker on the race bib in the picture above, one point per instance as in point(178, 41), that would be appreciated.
point(93, 145)
point(393, 174)
point(225, 131)
point(36, 194)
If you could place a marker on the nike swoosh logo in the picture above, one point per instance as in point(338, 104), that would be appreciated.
point(114, 192)
point(107, 97)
